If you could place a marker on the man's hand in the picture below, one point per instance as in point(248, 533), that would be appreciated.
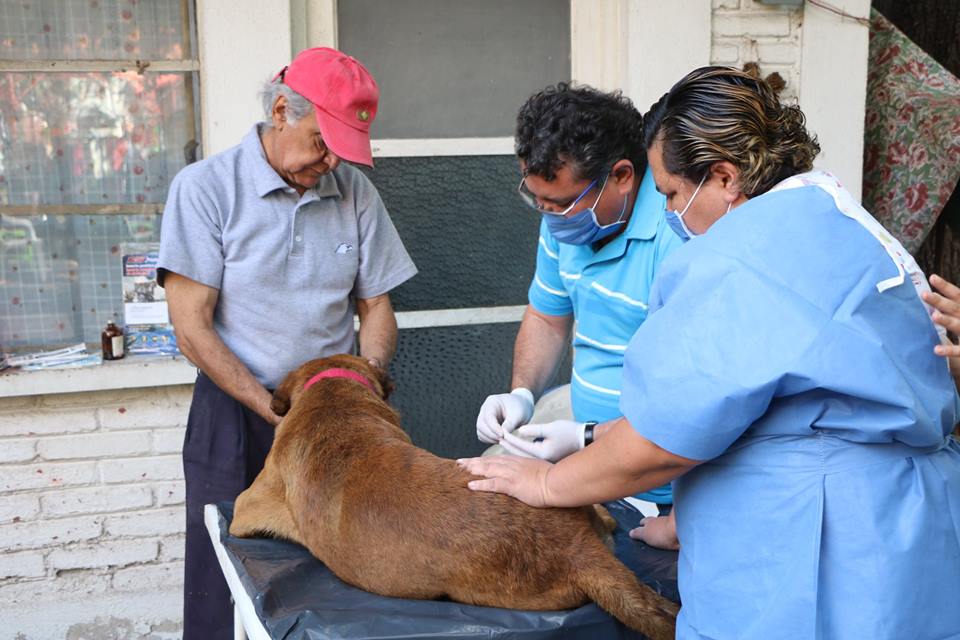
point(551, 441)
point(946, 303)
point(660, 532)
point(522, 478)
point(502, 413)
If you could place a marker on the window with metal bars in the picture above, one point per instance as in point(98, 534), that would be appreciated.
point(98, 112)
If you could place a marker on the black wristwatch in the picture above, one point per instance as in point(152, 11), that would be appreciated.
point(588, 432)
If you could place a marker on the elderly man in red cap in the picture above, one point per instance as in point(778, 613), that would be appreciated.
point(267, 250)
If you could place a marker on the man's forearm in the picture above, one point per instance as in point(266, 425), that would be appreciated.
point(378, 329)
point(204, 348)
point(539, 348)
point(192, 306)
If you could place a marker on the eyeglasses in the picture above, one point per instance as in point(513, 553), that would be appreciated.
point(531, 200)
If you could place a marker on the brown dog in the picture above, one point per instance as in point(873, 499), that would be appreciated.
point(344, 480)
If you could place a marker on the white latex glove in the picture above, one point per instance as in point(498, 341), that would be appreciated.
point(548, 441)
point(502, 413)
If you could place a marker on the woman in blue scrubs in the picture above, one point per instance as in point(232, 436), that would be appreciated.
point(786, 379)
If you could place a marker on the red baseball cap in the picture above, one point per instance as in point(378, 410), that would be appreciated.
point(344, 97)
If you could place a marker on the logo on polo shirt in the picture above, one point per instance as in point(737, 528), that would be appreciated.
point(344, 247)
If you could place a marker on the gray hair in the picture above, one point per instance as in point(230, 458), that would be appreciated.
point(297, 105)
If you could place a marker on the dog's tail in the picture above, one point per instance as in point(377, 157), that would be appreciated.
point(610, 584)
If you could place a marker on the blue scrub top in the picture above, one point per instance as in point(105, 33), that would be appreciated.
point(829, 503)
point(607, 293)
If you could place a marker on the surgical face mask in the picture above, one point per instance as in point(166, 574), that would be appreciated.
point(675, 219)
point(583, 228)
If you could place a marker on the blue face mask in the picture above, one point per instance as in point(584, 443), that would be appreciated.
point(675, 219)
point(583, 228)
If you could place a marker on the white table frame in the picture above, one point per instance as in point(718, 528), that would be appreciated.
point(246, 623)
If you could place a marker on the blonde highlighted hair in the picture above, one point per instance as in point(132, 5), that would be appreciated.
point(720, 113)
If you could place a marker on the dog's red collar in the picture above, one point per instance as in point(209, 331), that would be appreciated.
point(339, 373)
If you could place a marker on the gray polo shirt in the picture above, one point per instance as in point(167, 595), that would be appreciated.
point(287, 267)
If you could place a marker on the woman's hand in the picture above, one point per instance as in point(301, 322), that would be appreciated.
point(523, 478)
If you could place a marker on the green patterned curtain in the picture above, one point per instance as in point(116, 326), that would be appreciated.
point(912, 136)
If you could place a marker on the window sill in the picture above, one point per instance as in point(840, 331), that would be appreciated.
point(129, 373)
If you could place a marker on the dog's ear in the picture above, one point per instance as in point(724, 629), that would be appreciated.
point(386, 382)
point(280, 404)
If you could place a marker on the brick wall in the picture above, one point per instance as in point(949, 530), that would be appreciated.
point(91, 514)
point(747, 31)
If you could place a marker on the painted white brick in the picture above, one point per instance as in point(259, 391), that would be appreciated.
point(751, 24)
point(28, 564)
point(724, 54)
point(141, 469)
point(116, 553)
point(154, 522)
point(33, 535)
point(45, 475)
point(16, 404)
point(18, 508)
point(172, 548)
point(180, 396)
point(153, 576)
point(95, 445)
point(71, 585)
point(757, 5)
point(96, 500)
point(17, 450)
point(159, 411)
point(168, 440)
point(93, 399)
point(167, 493)
point(33, 422)
point(779, 53)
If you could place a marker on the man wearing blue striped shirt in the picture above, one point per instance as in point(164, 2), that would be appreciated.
point(602, 236)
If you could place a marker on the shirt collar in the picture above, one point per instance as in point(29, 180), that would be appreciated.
point(266, 180)
point(647, 210)
point(642, 225)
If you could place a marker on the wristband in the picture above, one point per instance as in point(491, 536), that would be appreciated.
point(587, 434)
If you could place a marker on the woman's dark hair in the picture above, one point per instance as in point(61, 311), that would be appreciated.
point(579, 125)
point(720, 113)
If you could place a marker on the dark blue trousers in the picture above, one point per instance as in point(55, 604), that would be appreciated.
point(224, 450)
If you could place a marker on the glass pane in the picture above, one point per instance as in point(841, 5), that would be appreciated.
point(467, 73)
point(93, 138)
point(60, 278)
point(93, 30)
point(457, 264)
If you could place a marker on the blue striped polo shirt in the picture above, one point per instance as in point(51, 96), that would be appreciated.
point(607, 292)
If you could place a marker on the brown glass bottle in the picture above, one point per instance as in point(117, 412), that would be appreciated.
point(112, 341)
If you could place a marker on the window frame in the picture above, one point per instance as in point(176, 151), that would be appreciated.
point(189, 65)
point(315, 24)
